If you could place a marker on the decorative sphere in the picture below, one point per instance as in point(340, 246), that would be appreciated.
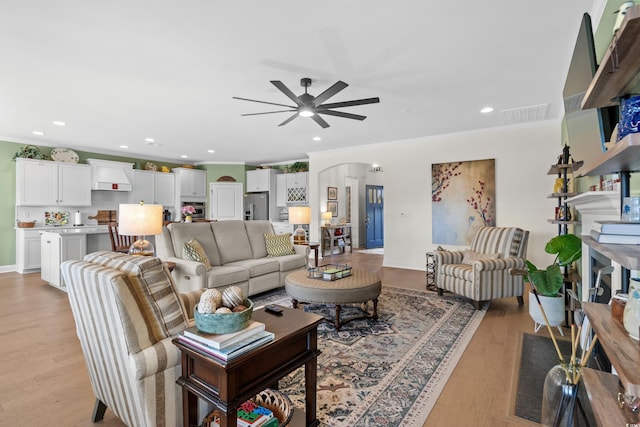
point(207, 306)
point(214, 294)
point(238, 308)
point(223, 310)
point(232, 296)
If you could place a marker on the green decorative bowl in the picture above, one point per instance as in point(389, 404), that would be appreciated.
point(216, 323)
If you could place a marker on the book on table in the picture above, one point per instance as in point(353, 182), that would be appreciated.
point(619, 239)
point(219, 341)
point(616, 227)
point(231, 351)
point(249, 414)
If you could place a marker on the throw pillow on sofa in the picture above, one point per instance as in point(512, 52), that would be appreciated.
point(278, 244)
point(193, 251)
point(470, 256)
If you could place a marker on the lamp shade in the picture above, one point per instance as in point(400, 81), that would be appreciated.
point(140, 219)
point(300, 215)
point(326, 217)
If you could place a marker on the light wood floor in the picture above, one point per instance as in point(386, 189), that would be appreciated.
point(43, 379)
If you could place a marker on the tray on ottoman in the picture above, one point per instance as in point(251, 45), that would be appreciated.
point(329, 272)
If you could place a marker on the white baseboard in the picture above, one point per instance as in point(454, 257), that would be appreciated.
point(7, 268)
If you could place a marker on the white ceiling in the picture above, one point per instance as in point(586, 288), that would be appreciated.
point(120, 71)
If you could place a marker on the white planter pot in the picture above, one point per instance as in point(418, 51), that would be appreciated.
point(553, 308)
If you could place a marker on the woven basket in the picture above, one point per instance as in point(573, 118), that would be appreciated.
point(26, 224)
point(216, 323)
point(275, 401)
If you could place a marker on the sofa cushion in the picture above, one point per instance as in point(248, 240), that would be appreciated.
point(292, 262)
point(154, 291)
point(256, 231)
point(231, 237)
point(181, 233)
point(278, 244)
point(193, 250)
point(469, 256)
point(226, 275)
point(258, 267)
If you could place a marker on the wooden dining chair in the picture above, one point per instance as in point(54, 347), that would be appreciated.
point(119, 243)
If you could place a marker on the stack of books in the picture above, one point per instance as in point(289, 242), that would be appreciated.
point(616, 232)
point(249, 415)
point(225, 347)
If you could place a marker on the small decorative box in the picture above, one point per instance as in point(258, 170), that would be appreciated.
point(330, 272)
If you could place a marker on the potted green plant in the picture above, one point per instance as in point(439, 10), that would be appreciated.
point(548, 283)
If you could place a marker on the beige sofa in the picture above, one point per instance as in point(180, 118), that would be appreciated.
point(237, 252)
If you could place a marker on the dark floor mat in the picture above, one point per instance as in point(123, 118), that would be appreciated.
point(538, 356)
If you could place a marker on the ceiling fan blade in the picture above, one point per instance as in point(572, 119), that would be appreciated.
point(262, 102)
point(267, 112)
point(337, 87)
point(289, 119)
point(282, 88)
point(349, 103)
point(341, 114)
point(319, 120)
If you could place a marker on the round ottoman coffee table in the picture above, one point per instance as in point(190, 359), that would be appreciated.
point(361, 287)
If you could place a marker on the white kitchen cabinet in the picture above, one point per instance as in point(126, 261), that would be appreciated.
point(297, 191)
point(56, 248)
point(45, 183)
point(153, 188)
point(260, 180)
point(282, 227)
point(297, 180)
point(281, 190)
point(27, 250)
point(191, 184)
point(226, 201)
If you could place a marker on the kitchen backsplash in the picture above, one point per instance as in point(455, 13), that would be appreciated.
point(101, 200)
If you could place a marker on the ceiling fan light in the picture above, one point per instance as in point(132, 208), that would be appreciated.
point(305, 112)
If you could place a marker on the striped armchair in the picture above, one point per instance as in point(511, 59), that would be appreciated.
point(127, 311)
point(483, 272)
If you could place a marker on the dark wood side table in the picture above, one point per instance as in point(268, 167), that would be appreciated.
point(227, 386)
point(314, 246)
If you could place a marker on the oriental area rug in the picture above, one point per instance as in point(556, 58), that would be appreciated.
point(388, 372)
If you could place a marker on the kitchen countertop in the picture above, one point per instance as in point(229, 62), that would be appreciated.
point(70, 229)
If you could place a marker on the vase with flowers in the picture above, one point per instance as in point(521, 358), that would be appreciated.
point(187, 211)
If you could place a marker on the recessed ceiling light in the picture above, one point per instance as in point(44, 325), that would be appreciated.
point(59, 123)
point(38, 132)
point(184, 156)
point(150, 140)
point(486, 110)
point(317, 138)
point(211, 151)
point(124, 146)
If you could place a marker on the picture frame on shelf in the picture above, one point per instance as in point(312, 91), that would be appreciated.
point(333, 208)
point(332, 193)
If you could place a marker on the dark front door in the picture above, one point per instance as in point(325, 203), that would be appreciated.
point(375, 214)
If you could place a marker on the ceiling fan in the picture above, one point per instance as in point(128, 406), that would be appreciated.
point(312, 106)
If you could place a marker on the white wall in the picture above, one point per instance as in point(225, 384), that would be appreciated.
point(523, 154)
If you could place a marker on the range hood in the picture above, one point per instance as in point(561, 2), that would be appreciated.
point(109, 175)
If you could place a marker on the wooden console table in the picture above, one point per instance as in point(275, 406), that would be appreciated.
point(227, 386)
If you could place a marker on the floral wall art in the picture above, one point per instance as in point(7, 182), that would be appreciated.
point(462, 199)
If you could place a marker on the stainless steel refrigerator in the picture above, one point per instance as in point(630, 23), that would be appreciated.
point(256, 206)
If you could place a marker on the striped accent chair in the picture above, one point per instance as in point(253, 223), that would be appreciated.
point(484, 271)
point(127, 311)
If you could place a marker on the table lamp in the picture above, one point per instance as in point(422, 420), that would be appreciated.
point(140, 220)
point(300, 215)
point(326, 217)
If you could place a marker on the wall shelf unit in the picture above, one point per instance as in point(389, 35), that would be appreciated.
point(617, 74)
point(624, 155)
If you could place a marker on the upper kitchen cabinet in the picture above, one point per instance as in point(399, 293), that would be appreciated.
point(260, 180)
point(153, 188)
point(46, 183)
point(297, 188)
point(191, 184)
